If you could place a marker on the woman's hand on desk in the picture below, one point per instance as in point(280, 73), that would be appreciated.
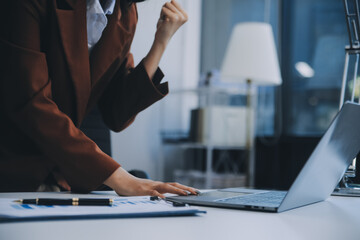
point(126, 184)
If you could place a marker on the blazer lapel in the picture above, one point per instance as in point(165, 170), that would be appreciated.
point(114, 43)
point(72, 25)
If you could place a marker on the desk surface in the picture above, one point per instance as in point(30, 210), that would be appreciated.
point(336, 218)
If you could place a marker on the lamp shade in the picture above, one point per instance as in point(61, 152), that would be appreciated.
point(251, 55)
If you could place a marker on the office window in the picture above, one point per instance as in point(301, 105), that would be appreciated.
point(313, 41)
point(219, 18)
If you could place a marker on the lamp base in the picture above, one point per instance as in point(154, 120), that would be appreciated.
point(347, 191)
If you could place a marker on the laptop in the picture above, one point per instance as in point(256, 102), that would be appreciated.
point(315, 182)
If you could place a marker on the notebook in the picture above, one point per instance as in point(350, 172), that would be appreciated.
point(315, 182)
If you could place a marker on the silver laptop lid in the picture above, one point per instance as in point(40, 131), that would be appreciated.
point(328, 162)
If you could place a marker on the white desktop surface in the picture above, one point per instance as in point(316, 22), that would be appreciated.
point(336, 218)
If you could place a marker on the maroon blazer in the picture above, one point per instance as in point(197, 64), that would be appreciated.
point(48, 83)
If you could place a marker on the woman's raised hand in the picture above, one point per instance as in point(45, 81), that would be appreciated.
point(172, 17)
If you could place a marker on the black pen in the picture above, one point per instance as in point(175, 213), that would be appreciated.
point(70, 201)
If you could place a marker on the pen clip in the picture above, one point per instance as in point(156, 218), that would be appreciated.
point(174, 203)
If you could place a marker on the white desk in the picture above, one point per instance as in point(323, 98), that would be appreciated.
point(337, 218)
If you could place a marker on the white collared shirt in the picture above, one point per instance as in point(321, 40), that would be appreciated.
point(96, 20)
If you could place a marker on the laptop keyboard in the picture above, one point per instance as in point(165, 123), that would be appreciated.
point(267, 199)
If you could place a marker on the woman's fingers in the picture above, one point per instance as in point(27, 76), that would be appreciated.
point(172, 8)
point(179, 8)
point(167, 14)
point(156, 193)
point(174, 13)
point(189, 189)
point(168, 188)
point(176, 188)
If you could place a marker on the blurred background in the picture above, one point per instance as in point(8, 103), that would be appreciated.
point(310, 37)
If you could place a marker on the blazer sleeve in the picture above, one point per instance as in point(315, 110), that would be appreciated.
point(129, 92)
point(26, 97)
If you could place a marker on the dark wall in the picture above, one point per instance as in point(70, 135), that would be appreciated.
point(277, 165)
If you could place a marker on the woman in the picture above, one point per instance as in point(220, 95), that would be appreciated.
point(60, 58)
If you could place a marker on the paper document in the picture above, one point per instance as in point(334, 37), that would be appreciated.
point(122, 208)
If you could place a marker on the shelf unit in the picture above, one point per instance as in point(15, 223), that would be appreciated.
point(178, 129)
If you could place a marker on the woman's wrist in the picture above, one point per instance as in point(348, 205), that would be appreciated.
point(118, 180)
point(160, 43)
point(152, 59)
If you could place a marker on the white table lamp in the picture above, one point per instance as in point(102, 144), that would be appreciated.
point(251, 58)
point(251, 55)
